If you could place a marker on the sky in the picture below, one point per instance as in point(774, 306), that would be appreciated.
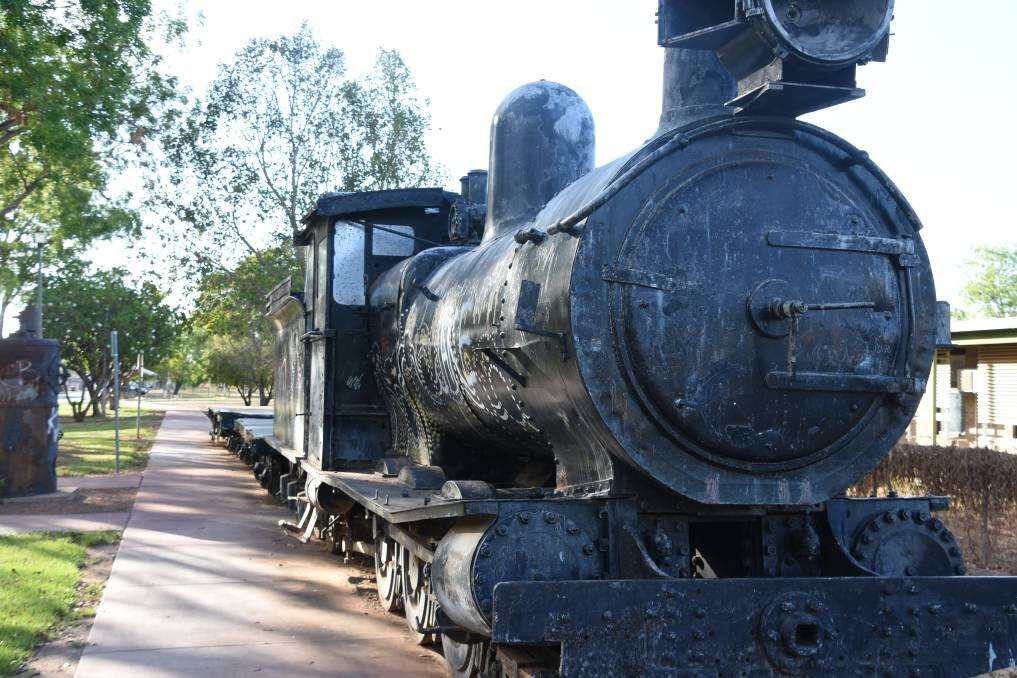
point(938, 116)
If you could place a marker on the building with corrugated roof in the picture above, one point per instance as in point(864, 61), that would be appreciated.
point(972, 393)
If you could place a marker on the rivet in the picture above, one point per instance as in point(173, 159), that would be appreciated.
point(875, 526)
point(700, 613)
point(771, 550)
point(905, 514)
point(524, 518)
point(588, 549)
point(550, 518)
point(866, 539)
point(889, 518)
point(502, 530)
point(572, 528)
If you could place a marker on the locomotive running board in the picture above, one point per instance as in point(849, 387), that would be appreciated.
point(927, 626)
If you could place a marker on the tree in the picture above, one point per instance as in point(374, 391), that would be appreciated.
point(244, 362)
point(281, 125)
point(82, 308)
point(187, 363)
point(992, 287)
point(78, 86)
point(230, 307)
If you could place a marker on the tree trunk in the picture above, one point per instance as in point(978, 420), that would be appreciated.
point(245, 394)
point(177, 385)
point(78, 407)
point(95, 396)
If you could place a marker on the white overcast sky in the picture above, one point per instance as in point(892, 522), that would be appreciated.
point(939, 116)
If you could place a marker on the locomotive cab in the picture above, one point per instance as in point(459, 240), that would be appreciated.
point(324, 367)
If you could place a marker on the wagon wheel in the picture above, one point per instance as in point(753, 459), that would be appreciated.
point(388, 574)
point(470, 660)
point(420, 606)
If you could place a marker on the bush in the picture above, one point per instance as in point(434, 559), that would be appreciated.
point(981, 483)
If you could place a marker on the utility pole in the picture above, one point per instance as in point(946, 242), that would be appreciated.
point(141, 381)
point(115, 350)
point(40, 242)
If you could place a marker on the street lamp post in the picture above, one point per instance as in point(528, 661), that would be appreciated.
point(40, 241)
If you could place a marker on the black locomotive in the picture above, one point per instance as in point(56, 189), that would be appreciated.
point(600, 421)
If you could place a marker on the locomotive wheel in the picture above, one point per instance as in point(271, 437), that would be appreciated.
point(420, 606)
point(388, 575)
point(469, 660)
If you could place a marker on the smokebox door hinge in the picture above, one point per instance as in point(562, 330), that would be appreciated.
point(902, 249)
point(843, 382)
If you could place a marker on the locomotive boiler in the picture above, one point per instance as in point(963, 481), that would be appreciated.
point(601, 421)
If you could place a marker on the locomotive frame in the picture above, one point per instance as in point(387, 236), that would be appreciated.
point(447, 403)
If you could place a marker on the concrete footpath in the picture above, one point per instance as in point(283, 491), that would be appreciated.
point(206, 584)
point(71, 522)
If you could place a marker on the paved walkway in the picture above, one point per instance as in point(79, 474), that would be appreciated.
point(206, 584)
point(14, 523)
point(80, 522)
point(124, 480)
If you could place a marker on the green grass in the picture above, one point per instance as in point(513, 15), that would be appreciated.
point(40, 577)
point(87, 447)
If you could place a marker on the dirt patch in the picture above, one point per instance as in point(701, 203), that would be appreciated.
point(59, 656)
point(111, 500)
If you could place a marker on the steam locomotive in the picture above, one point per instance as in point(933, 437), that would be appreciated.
point(601, 421)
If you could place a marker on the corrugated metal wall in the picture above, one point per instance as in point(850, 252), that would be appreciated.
point(997, 386)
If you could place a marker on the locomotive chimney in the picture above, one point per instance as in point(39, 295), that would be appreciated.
point(696, 86)
point(766, 57)
point(542, 140)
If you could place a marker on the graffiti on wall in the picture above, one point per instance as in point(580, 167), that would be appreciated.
point(19, 382)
